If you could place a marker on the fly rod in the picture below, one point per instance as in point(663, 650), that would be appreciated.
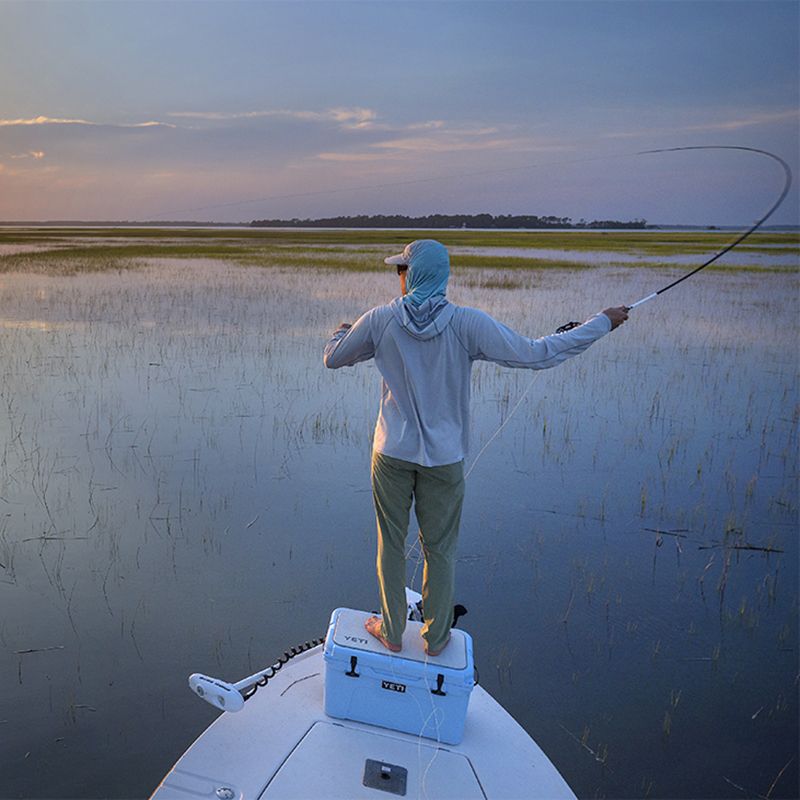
point(786, 186)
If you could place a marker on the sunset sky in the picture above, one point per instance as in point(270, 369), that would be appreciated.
point(233, 111)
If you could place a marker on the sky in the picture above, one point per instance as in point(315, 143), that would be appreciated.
point(232, 111)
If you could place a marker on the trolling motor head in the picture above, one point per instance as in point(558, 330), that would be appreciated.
point(414, 607)
point(220, 694)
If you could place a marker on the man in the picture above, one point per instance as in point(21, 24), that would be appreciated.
point(424, 347)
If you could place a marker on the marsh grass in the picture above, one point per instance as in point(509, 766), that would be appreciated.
point(652, 241)
point(68, 251)
point(173, 443)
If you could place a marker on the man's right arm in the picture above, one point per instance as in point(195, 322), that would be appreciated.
point(350, 344)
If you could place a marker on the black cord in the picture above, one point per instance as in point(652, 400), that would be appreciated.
point(270, 672)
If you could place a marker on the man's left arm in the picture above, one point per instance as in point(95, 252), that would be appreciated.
point(490, 340)
point(350, 344)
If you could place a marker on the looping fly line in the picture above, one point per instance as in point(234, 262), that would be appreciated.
point(774, 207)
point(787, 183)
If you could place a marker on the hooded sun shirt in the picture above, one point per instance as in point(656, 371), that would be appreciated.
point(424, 348)
point(428, 271)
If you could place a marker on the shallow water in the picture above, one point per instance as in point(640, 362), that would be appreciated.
point(184, 487)
point(741, 257)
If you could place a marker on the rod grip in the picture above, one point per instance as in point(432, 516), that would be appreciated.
point(643, 300)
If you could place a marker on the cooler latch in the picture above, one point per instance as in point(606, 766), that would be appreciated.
point(352, 673)
point(439, 684)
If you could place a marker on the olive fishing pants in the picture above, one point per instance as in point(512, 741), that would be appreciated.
point(438, 494)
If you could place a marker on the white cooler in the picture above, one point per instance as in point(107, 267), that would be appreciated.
point(406, 691)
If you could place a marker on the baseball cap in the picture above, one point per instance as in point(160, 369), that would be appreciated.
point(401, 259)
point(421, 250)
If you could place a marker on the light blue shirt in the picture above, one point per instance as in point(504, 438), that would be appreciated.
point(425, 355)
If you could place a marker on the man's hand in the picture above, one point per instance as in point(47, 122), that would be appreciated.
point(617, 315)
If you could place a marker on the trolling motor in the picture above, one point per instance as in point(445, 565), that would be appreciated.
point(227, 696)
point(232, 696)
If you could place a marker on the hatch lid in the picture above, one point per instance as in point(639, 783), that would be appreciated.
point(330, 761)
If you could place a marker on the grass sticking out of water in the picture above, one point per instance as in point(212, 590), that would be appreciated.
point(623, 241)
point(104, 259)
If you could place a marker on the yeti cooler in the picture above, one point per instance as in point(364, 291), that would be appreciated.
point(406, 691)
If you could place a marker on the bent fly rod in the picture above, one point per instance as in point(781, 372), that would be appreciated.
point(786, 186)
point(787, 183)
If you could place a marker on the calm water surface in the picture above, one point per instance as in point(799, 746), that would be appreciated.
point(779, 257)
point(184, 487)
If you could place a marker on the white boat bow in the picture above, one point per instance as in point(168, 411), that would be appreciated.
point(283, 746)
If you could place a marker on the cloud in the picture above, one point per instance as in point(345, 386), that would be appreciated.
point(35, 154)
point(351, 156)
point(436, 137)
point(44, 121)
point(746, 122)
point(41, 120)
point(351, 118)
point(732, 124)
point(29, 173)
point(162, 175)
point(354, 118)
point(443, 144)
point(432, 124)
point(426, 136)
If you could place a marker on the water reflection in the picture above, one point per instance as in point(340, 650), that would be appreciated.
point(183, 487)
point(783, 257)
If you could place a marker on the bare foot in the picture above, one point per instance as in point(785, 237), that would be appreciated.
point(373, 626)
point(434, 653)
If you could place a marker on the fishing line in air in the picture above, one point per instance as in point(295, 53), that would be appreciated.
point(774, 207)
point(787, 183)
point(737, 241)
point(786, 186)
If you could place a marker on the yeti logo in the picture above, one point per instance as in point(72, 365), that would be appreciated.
point(395, 687)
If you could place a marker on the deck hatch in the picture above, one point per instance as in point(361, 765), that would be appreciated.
point(330, 762)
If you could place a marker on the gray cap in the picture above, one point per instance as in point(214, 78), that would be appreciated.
point(400, 259)
point(422, 250)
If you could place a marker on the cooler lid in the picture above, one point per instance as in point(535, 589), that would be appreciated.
point(339, 763)
point(349, 632)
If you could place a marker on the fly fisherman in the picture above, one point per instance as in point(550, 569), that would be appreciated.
point(424, 347)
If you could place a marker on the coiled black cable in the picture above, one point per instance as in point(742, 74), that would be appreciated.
point(270, 672)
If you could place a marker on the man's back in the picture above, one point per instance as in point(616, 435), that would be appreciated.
point(424, 347)
point(425, 354)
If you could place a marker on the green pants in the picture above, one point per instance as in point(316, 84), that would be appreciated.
point(438, 493)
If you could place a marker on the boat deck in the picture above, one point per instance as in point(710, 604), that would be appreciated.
point(282, 745)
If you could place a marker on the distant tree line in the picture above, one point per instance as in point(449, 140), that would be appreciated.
point(502, 221)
